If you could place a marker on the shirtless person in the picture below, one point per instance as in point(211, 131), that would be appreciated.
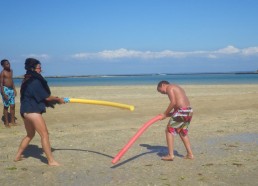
point(8, 92)
point(181, 116)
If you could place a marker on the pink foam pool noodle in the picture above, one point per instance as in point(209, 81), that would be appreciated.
point(135, 137)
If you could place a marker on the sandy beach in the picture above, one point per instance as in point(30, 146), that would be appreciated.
point(85, 138)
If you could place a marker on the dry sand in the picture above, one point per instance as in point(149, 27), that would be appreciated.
point(85, 138)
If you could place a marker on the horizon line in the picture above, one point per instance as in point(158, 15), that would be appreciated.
point(143, 74)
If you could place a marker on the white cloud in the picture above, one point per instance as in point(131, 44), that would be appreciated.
point(212, 56)
point(250, 51)
point(38, 56)
point(124, 53)
point(228, 50)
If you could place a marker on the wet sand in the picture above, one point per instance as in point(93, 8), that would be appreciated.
point(85, 138)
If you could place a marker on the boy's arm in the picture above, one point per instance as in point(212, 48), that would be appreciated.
point(168, 110)
point(13, 83)
point(172, 103)
point(1, 83)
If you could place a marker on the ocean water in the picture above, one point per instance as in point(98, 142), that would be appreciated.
point(152, 79)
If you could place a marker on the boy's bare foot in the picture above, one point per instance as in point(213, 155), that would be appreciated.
point(7, 125)
point(189, 156)
point(167, 158)
point(54, 163)
point(19, 158)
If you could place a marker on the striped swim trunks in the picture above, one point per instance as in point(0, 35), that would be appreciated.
point(180, 121)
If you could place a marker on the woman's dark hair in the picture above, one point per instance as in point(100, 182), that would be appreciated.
point(31, 63)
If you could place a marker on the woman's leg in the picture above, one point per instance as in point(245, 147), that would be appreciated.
point(26, 140)
point(40, 126)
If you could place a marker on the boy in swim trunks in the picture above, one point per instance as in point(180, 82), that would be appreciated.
point(8, 92)
point(181, 116)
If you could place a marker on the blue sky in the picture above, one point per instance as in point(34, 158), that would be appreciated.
point(96, 37)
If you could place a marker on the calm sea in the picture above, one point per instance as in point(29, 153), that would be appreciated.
point(152, 79)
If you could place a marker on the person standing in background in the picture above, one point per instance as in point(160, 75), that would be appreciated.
point(8, 92)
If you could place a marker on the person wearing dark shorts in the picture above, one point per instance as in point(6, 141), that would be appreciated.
point(35, 97)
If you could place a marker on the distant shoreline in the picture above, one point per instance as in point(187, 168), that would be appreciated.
point(131, 75)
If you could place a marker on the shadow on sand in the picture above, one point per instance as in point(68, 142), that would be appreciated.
point(159, 150)
point(36, 152)
point(9, 118)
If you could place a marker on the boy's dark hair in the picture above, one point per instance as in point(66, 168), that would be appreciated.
point(31, 63)
point(161, 83)
point(3, 61)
